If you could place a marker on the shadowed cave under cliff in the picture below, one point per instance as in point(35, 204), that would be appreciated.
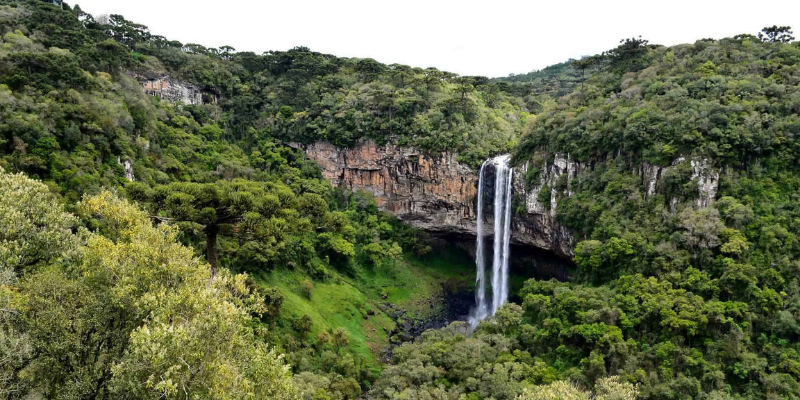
point(526, 262)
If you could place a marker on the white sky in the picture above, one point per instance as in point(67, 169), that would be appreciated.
point(491, 38)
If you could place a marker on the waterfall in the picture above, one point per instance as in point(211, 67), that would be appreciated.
point(481, 307)
point(506, 241)
point(502, 238)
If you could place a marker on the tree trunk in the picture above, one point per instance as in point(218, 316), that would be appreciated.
point(212, 256)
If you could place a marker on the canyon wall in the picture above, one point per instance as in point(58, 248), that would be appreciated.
point(539, 220)
point(436, 193)
point(433, 192)
point(173, 90)
point(430, 191)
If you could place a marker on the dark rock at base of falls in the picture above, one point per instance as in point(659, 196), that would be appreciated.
point(456, 307)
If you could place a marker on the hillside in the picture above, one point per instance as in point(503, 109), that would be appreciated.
point(82, 112)
point(683, 200)
point(167, 229)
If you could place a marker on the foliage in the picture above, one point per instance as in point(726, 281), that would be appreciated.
point(606, 389)
point(684, 298)
point(38, 231)
point(675, 294)
point(674, 103)
point(71, 115)
point(130, 313)
point(778, 34)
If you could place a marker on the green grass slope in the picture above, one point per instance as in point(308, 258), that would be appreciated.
point(414, 285)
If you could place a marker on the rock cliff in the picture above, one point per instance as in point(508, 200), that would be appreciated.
point(173, 90)
point(433, 192)
point(128, 166)
point(436, 193)
point(702, 172)
point(430, 191)
point(538, 221)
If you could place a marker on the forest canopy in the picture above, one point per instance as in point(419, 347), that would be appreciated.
point(157, 249)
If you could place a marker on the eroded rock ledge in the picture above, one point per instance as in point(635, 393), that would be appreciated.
point(433, 192)
point(436, 193)
point(430, 191)
point(173, 90)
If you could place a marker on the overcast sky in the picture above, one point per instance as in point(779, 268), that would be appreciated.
point(491, 38)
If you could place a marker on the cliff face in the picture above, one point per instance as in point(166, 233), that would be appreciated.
point(173, 90)
point(128, 166)
point(436, 193)
point(703, 173)
point(431, 191)
point(539, 221)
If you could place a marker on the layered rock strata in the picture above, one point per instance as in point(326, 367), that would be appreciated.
point(433, 191)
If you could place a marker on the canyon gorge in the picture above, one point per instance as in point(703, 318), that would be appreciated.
point(435, 192)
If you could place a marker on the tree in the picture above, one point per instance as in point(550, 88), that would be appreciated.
point(375, 252)
point(36, 233)
point(736, 214)
point(340, 338)
point(605, 389)
point(108, 56)
point(401, 73)
point(583, 64)
point(137, 316)
point(226, 52)
point(776, 34)
point(121, 309)
point(508, 317)
point(629, 55)
point(612, 389)
point(125, 32)
point(368, 69)
point(303, 326)
point(395, 253)
point(559, 390)
point(273, 298)
point(311, 386)
point(597, 259)
point(214, 205)
point(307, 288)
point(702, 227)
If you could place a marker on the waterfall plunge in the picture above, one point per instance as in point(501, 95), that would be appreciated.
point(502, 238)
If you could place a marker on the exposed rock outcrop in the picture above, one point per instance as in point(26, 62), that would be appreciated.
point(549, 176)
point(173, 90)
point(128, 165)
point(436, 193)
point(650, 176)
point(707, 178)
point(703, 173)
point(538, 224)
point(433, 191)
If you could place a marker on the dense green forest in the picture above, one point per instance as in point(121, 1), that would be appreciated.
point(319, 260)
point(228, 268)
point(686, 301)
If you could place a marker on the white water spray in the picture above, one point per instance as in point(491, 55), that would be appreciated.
point(502, 238)
point(481, 306)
